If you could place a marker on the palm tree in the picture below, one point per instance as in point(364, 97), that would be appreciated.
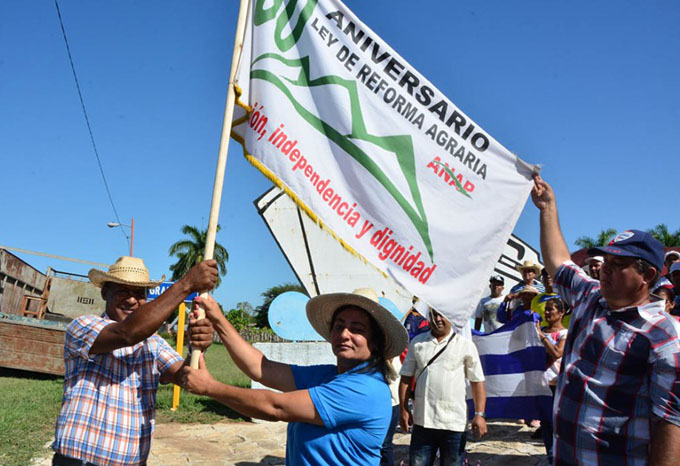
point(667, 238)
point(189, 252)
point(262, 311)
point(602, 239)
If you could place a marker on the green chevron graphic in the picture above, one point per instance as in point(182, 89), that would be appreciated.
point(400, 145)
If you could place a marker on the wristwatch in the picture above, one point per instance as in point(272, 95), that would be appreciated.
point(480, 413)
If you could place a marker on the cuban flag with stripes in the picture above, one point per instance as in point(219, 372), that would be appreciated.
point(514, 360)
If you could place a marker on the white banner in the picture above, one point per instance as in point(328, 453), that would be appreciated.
point(374, 151)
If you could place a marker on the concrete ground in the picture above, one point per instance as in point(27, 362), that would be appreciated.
point(264, 443)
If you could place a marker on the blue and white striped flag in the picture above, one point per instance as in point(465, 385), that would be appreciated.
point(514, 360)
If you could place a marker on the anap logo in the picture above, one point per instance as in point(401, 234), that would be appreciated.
point(622, 237)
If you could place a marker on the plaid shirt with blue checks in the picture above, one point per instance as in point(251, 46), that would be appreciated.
point(620, 370)
point(109, 402)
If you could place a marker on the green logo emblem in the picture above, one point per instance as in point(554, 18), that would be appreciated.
point(401, 146)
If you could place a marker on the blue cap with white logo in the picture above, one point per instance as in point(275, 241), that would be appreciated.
point(634, 243)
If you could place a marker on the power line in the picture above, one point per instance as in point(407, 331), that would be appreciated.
point(52, 256)
point(87, 120)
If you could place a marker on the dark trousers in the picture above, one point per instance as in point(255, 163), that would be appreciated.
point(387, 450)
point(61, 460)
point(547, 431)
point(425, 443)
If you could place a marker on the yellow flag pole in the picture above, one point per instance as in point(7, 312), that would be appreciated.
point(222, 156)
point(180, 348)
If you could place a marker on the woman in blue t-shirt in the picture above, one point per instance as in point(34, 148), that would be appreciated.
point(337, 414)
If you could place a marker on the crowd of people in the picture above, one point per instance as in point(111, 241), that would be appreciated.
point(612, 360)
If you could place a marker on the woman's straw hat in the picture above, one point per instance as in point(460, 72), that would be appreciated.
point(126, 271)
point(320, 311)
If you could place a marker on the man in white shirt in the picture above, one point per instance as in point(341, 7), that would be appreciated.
point(440, 361)
point(488, 306)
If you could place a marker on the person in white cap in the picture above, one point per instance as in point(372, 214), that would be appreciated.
point(337, 414)
point(671, 257)
point(594, 264)
point(674, 273)
point(114, 364)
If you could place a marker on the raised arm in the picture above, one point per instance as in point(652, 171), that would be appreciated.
point(503, 313)
point(665, 446)
point(147, 318)
point(553, 247)
point(554, 351)
point(250, 360)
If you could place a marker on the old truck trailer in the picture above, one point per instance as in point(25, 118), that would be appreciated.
point(35, 309)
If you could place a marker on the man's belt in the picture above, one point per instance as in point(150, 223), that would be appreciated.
point(61, 460)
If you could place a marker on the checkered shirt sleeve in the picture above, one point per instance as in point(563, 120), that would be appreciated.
point(575, 286)
point(665, 382)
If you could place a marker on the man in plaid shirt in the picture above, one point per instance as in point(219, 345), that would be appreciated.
point(618, 394)
point(114, 363)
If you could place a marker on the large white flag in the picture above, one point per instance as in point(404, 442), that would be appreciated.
point(375, 152)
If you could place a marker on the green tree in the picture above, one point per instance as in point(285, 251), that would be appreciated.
point(189, 252)
point(602, 239)
point(262, 311)
point(246, 307)
point(663, 234)
point(239, 318)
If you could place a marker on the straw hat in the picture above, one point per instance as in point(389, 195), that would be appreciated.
point(320, 311)
point(126, 271)
point(528, 289)
point(529, 265)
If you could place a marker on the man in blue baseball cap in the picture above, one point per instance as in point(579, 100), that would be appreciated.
point(618, 396)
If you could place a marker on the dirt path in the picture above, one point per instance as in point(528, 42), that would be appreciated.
point(264, 443)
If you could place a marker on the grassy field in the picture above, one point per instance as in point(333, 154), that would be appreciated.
point(30, 402)
point(193, 408)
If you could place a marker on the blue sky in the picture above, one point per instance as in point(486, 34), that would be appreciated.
point(587, 89)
